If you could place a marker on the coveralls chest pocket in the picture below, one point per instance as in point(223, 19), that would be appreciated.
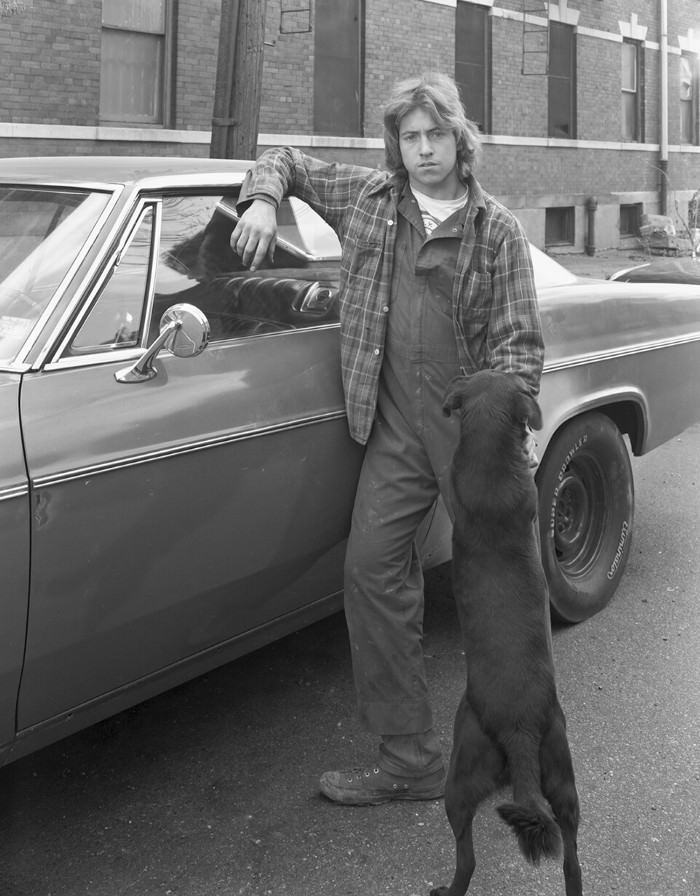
point(435, 267)
point(434, 277)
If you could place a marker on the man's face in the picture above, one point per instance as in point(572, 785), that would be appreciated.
point(429, 154)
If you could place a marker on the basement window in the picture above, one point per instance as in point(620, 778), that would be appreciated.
point(559, 226)
point(630, 219)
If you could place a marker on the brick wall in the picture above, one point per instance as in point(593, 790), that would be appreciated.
point(50, 64)
point(518, 106)
point(402, 40)
point(195, 64)
point(50, 72)
point(288, 79)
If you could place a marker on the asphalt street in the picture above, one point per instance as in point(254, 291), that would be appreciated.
point(211, 789)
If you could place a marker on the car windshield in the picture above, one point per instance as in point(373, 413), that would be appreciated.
point(42, 233)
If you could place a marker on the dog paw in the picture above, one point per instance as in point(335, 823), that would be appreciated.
point(439, 891)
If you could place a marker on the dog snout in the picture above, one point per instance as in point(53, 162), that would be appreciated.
point(454, 396)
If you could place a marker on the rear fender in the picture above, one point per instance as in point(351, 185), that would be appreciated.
point(626, 406)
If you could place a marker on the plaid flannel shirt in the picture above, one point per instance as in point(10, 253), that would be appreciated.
point(496, 318)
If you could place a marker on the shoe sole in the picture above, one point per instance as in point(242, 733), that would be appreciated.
point(382, 799)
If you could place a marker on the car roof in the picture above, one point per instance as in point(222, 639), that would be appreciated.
point(90, 170)
point(159, 171)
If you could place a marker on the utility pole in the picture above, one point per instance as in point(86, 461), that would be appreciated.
point(234, 132)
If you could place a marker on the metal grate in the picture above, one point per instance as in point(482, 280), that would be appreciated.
point(295, 17)
point(535, 55)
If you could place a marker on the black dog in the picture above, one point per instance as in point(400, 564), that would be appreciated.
point(509, 725)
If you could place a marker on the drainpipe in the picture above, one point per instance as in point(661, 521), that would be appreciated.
point(222, 123)
point(591, 206)
point(663, 139)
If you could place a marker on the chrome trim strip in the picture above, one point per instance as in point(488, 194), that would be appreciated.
point(189, 448)
point(612, 354)
point(152, 273)
point(65, 183)
point(133, 354)
point(70, 273)
point(223, 179)
point(14, 491)
point(121, 356)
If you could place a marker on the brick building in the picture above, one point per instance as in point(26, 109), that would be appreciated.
point(589, 108)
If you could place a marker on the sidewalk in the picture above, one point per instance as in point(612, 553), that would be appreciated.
point(603, 263)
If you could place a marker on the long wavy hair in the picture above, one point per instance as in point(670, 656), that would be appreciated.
point(438, 95)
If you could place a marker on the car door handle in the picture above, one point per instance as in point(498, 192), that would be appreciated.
point(316, 300)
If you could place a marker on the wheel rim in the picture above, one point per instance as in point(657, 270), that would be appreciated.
point(579, 516)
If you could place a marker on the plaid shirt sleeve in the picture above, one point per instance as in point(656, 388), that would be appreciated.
point(330, 188)
point(353, 200)
point(500, 318)
point(515, 331)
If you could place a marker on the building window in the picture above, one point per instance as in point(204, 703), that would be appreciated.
point(562, 81)
point(136, 61)
point(630, 219)
point(689, 99)
point(338, 67)
point(559, 226)
point(632, 91)
point(473, 61)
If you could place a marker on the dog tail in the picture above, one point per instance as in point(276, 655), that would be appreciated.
point(529, 815)
point(534, 825)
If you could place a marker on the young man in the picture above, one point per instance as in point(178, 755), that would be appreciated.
point(436, 280)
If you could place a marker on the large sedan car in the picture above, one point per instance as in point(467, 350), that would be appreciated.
point(176, 475)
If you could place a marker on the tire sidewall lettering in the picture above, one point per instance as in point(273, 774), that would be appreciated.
point(571, 453)
point(619, 553)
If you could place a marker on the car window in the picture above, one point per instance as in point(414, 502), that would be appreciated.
point(197, 265)
point(194, 263)
point(116, 317)
point(42, 233)
point(314, 234)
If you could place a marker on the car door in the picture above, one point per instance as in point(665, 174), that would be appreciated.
point(14, 557)
point(197, 508)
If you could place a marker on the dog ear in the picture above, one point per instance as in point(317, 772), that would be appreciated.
point(528, 410)
point(454, 395)
point(532, 411)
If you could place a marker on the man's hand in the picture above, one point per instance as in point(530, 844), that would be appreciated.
point(255, 235)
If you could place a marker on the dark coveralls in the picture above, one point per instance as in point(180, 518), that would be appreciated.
point(413, 312)
point(406, 466)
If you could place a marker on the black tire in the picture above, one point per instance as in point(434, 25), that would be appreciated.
point(586, 509)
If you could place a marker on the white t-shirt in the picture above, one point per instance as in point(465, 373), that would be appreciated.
point(435, 211)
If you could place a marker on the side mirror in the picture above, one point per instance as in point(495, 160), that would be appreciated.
point(184, 331)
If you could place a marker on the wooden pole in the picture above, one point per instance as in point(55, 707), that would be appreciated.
point(234, 133)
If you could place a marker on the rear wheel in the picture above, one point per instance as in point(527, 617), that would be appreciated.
point(586, 508)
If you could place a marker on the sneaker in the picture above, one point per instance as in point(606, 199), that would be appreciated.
point(374, 786)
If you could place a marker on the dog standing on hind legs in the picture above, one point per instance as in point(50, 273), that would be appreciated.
point(509, 726)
